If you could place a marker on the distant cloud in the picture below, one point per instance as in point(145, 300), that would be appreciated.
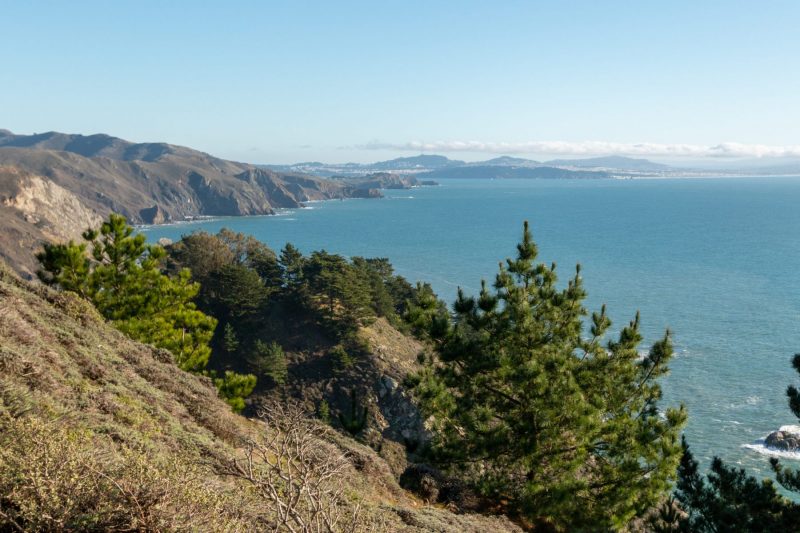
point(593, 148)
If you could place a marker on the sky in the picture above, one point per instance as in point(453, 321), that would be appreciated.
point(288, 81)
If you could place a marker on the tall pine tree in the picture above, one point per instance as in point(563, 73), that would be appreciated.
point(121, 274)
point(562, 425)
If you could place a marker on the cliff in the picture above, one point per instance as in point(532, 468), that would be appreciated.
point(51, 184)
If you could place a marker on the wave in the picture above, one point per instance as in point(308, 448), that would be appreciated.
point(760, 447)
point(771, 452)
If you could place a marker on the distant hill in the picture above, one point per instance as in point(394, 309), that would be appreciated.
point(425, 164)
point(506, 172)
point(508, 161)
point(403, 165)
point(611, 162)
point(52, 184)
point(417, 162)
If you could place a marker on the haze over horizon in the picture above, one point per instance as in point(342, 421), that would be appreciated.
point(362, 82)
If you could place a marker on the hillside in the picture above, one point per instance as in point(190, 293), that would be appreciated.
point(101, 432)
point(613, 162)
point(499, 167)
point(504, 172)
point(148, 183)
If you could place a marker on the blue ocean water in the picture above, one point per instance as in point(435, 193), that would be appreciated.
point(714, 260)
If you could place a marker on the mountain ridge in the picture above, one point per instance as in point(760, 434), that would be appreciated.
point(148, 183)
point(495, 168)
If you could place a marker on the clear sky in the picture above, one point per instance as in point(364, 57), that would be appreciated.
point(361, 81)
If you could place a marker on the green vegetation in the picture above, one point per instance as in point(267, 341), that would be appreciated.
point(261, 297)
point(269, 360)
point(324, 412)
point(234, 388)
point(354, 421)
point(528, 410)
point(122, 276)
point(342, 360)
point(102, 433)
point(534, 410)
point(731, 500)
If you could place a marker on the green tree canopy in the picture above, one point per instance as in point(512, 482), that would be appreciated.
point(730, 500)
point(270, 360)
point(343, 293)
point(563, 425)
point(121, 274)
point(122, 277)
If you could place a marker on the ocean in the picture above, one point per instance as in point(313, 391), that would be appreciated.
point(714, 260)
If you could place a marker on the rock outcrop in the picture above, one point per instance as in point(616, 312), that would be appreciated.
point(783, 440)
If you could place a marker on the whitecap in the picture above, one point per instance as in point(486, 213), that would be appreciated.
point(759, 447)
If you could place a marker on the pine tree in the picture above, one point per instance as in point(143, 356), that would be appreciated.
point(356, 420)
point(324, 411)
point(234, 388)
point(730, 501)
point(291, 264)
point(230, 341)
point(123, 279)
point(425, 313)
point(269, 360)
point(234, 292)
point(344, 294)
point(529, 409)
point(121, 274)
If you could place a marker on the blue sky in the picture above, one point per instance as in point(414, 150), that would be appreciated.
point(362, 81)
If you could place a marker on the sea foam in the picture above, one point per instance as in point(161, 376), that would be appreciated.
point(760, 447)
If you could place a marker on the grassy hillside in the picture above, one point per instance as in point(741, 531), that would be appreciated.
point(100, 432)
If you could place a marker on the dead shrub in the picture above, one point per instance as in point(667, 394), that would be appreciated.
point(298, 473)
point(54, 478)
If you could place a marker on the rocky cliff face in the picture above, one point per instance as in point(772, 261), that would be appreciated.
point(54, 179)
point(34, 209)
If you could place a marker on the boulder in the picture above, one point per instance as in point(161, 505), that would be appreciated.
point(783, 440)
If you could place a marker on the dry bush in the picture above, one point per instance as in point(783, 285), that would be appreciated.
point(299, 474)
point(54, 478)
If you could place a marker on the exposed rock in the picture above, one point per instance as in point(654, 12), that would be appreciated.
point(153, 215)
point(365, 193)
point(386, 180)
point(54, 185)
point(33, 210)
point(783, 440)
point(424, 481)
